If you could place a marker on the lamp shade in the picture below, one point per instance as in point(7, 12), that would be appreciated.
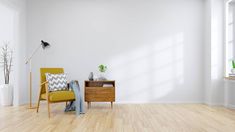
point(45, 44)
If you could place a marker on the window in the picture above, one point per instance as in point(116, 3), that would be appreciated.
point(229, 37)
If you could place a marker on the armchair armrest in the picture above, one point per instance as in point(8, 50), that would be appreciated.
point(44, 83)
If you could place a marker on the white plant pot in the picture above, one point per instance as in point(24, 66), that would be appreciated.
point(102, 77)
point(6, 94)
point(233, 71)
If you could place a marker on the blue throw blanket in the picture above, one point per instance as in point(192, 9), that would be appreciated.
point(78, 103)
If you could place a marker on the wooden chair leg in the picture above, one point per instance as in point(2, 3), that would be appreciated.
point(38, 105)
point(48, 108)
point(48, 101)
point(66, 103)
point(39, 97)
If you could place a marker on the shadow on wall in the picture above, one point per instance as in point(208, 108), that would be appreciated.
point(150, 72)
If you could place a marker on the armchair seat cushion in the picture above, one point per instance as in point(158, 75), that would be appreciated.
point(59, 96)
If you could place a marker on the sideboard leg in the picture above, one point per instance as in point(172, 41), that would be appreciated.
point(111, 104)
point(88, 105)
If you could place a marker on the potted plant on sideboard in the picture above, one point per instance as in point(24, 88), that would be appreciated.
point(102, 69)
point(6, 89)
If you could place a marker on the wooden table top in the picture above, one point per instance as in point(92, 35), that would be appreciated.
point(100, 81)
point(229, 78)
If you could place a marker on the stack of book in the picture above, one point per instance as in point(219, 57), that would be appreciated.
point(108, 85)
point(231, 74)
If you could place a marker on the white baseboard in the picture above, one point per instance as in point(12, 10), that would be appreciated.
point(159, 102)
point(230, 106)
point(214, 104)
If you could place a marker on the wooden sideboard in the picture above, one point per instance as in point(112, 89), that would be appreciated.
point(95, 91)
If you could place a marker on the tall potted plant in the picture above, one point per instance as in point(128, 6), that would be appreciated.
point(6, 89)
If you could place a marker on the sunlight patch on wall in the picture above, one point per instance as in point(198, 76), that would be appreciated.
point(150, 71)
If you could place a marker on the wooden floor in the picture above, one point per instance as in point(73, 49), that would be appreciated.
point(122, 118)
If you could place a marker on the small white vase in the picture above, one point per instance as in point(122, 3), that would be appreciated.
point(6, 94)
point(233, 71)
point(102, 77)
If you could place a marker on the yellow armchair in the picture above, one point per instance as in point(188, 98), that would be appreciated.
point(52, 97)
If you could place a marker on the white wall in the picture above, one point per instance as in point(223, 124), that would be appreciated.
point(214, 46)
point(229, 94)
point(153, 49)
point(207, 51)
point(13, 29)
point(217, 54)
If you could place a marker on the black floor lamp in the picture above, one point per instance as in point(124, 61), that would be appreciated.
point(44, 45)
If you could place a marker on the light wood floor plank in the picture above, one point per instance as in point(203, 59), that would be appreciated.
point(122, 118)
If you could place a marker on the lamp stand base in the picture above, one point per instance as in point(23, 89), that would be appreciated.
point(32, 107)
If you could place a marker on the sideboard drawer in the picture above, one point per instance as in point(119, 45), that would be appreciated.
point(99, 94)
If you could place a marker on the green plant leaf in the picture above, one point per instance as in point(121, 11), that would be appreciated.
point(233, 63)
point(102, 68)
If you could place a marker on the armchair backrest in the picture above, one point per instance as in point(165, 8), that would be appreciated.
point(43, 72)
